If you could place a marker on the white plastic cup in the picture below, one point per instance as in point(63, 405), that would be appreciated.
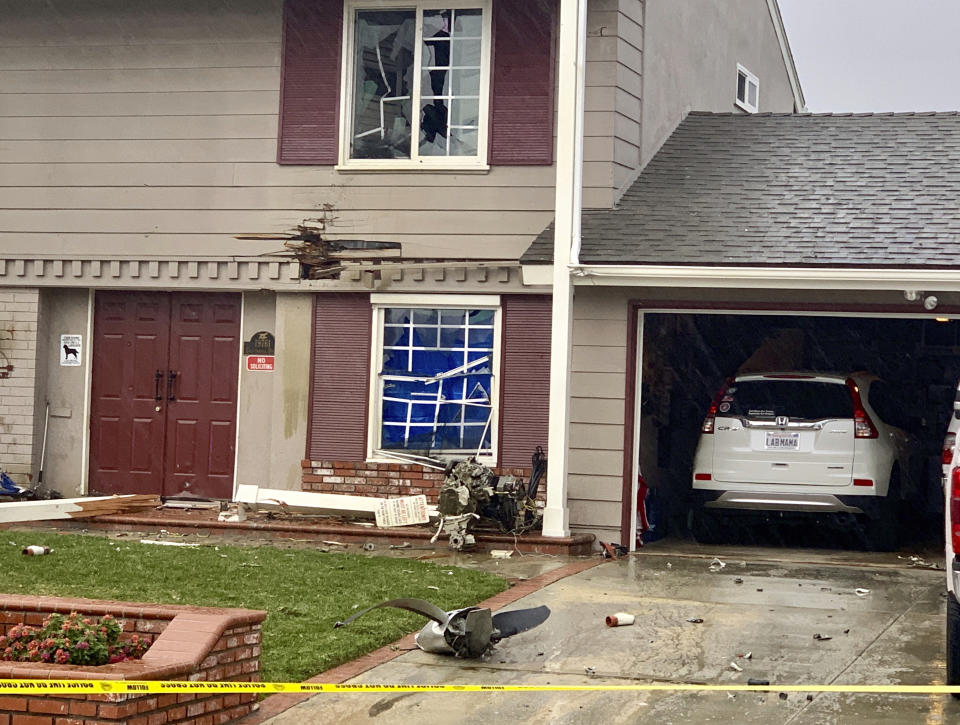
point(620, 619)
point(36, 550)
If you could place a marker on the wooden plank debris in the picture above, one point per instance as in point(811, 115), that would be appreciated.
point(74, 508)
point(308, 502)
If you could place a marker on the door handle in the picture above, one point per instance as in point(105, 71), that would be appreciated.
point(171, 384)
point(157, 377)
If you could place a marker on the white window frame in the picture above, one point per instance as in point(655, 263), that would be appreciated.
point(380, 302)
point(415, 163)
point(749, 78)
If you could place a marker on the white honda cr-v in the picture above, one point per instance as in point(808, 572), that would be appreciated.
point(801, 442)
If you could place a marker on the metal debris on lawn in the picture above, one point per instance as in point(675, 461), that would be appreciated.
point(169, 543)
point(369, 546)
point(436, 589)
point(333, 543)
point(716, 564)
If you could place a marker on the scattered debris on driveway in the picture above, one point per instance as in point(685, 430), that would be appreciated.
point(695, 620)
point(468, 632)
point(862, 592)
point(716, 565)
point(501, 553)
point(734, 666)
point(822, 637)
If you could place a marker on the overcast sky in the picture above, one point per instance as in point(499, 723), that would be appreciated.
point(876, 55)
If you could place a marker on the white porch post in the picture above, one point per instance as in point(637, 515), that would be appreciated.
point(566, 249)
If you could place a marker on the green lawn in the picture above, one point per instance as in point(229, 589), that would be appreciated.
point(304, 591)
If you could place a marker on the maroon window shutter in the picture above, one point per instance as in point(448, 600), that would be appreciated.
point(525, 378)
point(340, 376)
point(521, 109)
point(310, 83)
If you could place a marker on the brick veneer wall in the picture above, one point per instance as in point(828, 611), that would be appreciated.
point(189, 643)
point(19, 311)
point(382, 479)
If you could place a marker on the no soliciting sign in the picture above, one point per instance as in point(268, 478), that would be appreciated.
point(260, 362)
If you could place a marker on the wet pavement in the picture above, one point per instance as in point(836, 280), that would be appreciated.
point(766, 602)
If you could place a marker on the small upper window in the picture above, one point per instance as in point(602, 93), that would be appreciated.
point(748, 90)
point(416, 83)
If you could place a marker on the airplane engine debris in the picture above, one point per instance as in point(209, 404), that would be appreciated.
point(467, 632)
point(472, 492)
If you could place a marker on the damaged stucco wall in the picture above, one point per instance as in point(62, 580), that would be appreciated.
point(19, 315)
point(272, 415)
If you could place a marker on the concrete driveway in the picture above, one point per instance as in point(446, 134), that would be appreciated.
point(769, 603)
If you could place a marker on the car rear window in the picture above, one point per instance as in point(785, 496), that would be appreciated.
point(796, 399)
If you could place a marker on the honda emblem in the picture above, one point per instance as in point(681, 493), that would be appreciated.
point(782, 420)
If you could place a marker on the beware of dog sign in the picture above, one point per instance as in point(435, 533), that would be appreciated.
point(71, 350)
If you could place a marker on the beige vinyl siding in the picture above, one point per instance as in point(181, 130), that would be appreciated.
point(150, 126)
point(598, 389)
point(614, 85)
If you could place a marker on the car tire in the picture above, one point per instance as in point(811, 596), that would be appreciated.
point(882, 526)
point(704, 526)
point(953, 641)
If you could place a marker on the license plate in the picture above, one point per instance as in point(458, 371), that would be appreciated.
point(782, 441)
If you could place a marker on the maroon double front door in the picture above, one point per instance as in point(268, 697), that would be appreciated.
point(164, 400)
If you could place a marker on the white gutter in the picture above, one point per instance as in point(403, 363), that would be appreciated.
point(570, 82)
point(944, 280)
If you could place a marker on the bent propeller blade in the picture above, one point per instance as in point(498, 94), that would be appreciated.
point(520, 620)
point(411, 604)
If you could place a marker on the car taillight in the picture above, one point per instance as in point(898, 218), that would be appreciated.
point(708, 422)
point(955, 508)
point(863, 427)
point(946, 455)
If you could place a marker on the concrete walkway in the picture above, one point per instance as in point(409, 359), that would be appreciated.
point(770, 605)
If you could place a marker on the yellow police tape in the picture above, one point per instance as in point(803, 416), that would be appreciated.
point(135, 687)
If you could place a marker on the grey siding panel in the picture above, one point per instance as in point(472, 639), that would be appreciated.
point(147, 127)
point(525, 386)
point(340, 377)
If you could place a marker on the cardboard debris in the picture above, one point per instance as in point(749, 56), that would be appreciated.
point(75, 508)
point(404, 511)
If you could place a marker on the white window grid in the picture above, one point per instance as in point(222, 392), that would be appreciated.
point(751, 87)
point(347, 87)
point(374, 451)
point(439, 399)
point(451, 99)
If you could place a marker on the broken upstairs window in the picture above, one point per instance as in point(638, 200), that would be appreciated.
point(417, 74)
point(436, 380)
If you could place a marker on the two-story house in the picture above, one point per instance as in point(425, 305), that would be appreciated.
point(279, 242)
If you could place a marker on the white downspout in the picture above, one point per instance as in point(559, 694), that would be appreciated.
point(566, 251)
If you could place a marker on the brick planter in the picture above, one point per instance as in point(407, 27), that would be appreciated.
point(383, 479)
point(189, 643)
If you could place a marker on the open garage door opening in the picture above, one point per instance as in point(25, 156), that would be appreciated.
point(802, 429)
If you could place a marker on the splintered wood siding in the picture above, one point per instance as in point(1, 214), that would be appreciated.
point(525, 378)
point(310, 88)
point(340, 377)
point(521, 110)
